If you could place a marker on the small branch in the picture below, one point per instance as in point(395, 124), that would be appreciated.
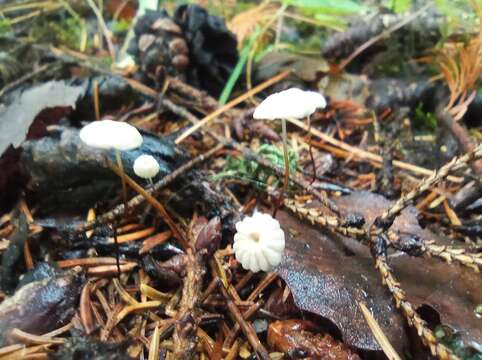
point(448, 254)
point(247, 329)
point(380, 36)
point(366, 155)
point(118, 211)
point(333, 223)
point(230, 105)
point(105, 29)
point(185, 329)
point(387, 218)
point(452, 254)
point(21, 80)
point(461, 134)
point(409, 311)
point(156, 204)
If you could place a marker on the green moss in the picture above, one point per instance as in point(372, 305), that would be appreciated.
point(251, 171)
point(424, 121)
point(456, 344)
point(5, 27)
point(120, 26)
point(66, 32)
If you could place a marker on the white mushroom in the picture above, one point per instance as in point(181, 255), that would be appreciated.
point(146, 167)
point(109, 134)
point(288, 104)
point(259, 242)
point(116, 135)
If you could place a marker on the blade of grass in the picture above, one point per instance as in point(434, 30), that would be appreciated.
point(233, 78)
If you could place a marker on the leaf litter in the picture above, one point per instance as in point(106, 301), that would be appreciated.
point(145, 283)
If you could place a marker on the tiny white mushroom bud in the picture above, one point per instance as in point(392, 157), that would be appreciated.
point(146, 166)
point(109, 134)
point(259, 242)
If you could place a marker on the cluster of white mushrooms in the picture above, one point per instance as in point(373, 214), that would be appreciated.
point(120, 136)
point(259, 241)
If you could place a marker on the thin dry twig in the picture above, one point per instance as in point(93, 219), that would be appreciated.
point(386, 219)
point(379, 334)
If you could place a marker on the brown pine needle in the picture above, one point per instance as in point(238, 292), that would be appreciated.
point(28, 338)
point(156, 204)
point(95, 95)
point(86, 316)
point(88, 262)
point(110, 270)
point(379, 334)
point(155, 240)
point(136, 308)
point(11, 348)
point(154, 346)
point(154, 294)
point(454, 219)
point(362, 154)
point(137, 235)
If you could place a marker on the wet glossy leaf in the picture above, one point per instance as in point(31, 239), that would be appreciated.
point(328, 275)
point(15, 119)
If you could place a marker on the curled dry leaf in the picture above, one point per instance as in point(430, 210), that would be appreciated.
point(209, 236)
point(15, 119)
point(41, 306)
point(298, 338)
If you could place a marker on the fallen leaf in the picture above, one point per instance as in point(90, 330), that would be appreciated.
point(305, 68)
point(298, 338)
point(16, 118)
point(452, 290)
point(329, 274)
point(328, 280)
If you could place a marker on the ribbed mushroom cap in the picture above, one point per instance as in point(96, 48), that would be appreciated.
point(291, 103)
point(259, 242)
point(109, 134)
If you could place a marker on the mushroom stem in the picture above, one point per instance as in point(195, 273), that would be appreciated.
point(151, 183)
point(285, 154)
point(123, 180)
point(310, 150)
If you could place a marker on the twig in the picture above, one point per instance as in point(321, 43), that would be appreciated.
point(387, 218)
point(21, 80)
point(231, 337)
point(187, 317)
point(247, 329)
point(230, 105)
point(105, 29)
point(362, 154)
point(408, 310)
point(177, 233)
point(380, 36)
point(452, 254)
point(139, 199)
point(315, 216)
point(460, 133)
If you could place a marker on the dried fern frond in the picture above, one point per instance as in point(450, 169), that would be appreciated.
point(244, 23)
point(460, 66)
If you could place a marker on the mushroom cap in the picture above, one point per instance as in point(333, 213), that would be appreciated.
point(291, 103)
point(259, 242)
point(109, 134)
point(146, 166)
